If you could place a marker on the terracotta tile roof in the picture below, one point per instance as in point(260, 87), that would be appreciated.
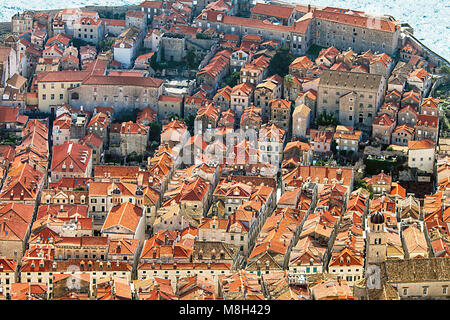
point(7, 265)
point(123, 246)
point(272, 10)
point(354, 19)
point(224, 92)
point(109, 171)
point(99, 119)
point(383, 120)
point(303, 146)
point(280, 103)
point(415, 241)
point(277, 233)
point(8, 114)
point(62, 76)
point(379, 178)
point(71, 156)
point(321, 174)
point(122, 81)
point(91, 140)
point(420, 73)
point(302, 62)
point(271, 130)
point(329, 53)
point(210, 111)
point(170, 98)
point(114, 22)
point(62, 211)
point(22, 182)
point(404, 127)
point(126, 215)
point(420, 144)
point(251, 113)
point(147, 113)
point(430, 102)
point(11, 230)
point(129, 127)
point(426, 120)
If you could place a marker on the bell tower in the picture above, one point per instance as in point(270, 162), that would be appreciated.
point(376, 239)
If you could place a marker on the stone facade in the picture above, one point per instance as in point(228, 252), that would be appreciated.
point(116, 91)
point(358, 108)
point(173, 46)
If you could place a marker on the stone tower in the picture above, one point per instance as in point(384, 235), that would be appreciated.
point(376, 239)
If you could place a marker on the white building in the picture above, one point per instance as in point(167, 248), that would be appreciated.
point(421, 155)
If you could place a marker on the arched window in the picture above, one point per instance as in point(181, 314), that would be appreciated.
point(74, 96)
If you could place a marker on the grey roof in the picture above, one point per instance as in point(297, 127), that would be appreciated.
point(350, 80)
point(418, 270)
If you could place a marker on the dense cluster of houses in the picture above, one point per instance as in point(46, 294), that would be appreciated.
point(214, 212)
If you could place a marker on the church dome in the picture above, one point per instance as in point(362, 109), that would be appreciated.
point(377, 217)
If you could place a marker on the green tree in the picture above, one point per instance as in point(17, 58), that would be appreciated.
point(202, 36)
point(105, 45)
point(288, 82)
point(326, 119)
point(189, 121)
point(153, 63)
point(191, 59)
point(155, 131)
point(127, 115)
point(361, 183)
point(333, 146)
point(279, 64)
point(233, 79)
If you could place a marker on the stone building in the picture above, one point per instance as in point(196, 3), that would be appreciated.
point(71, 160)
point(21, 22)
point(420, 277)
point(382, 128)
point(301, 118)
point(280, 113)
point(421, 155)
point(89, 29)
point(170, 105)
point(427, 127)
point(99, 125)
point(271, 143)
point(152, 9)
point(241, 97)
point(270, 88)
point(352, 97)
point(402, 134)
point(347, 139)
point(128, 137)
point(137, 19)
point(222, 98)
point(120, 92)
point(127, 45)
point(173, 46)
point(53, 87)
point(376, 239)
point(297, 35)
point(343, 29)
